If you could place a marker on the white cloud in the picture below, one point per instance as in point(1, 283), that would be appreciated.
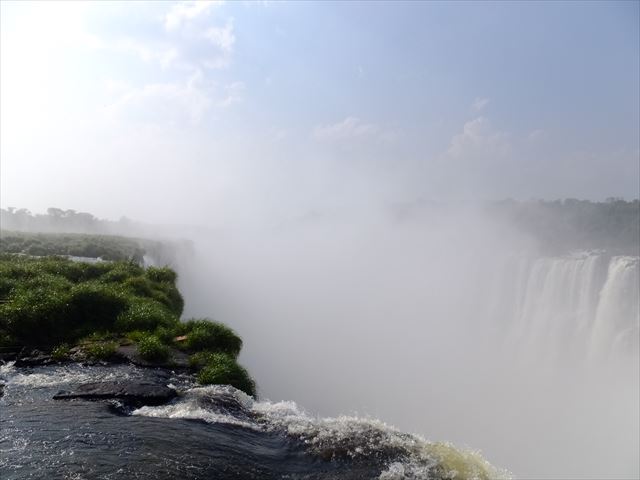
point(479, 140)
point(184, 12)
point(349, 128)
point(480, 103)
point(175, 102)
point(189, 41)
point(223, 39)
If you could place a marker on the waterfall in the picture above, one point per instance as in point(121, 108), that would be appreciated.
point(617, 320)
point(584, 303)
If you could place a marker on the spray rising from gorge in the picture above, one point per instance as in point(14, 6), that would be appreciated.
point(455, 323)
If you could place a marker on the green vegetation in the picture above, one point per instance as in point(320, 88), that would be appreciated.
point(564, 225)
point(47, 301)
point(152, 349)
point(56, 219)
point(85, 236)
point(74, 244)
point(101, 350)
point(51, 303)
point(223, 369)
point(61, 352)
point(212, 336)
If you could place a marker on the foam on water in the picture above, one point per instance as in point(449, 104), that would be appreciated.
point(193, 405)
point(404, 456)
point(60, 375)
point(7, 369)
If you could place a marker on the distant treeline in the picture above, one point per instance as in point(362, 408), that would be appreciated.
point(68, 232)
point(564, 225)
point(557, 226)
point(73, 244)
point(58, 220)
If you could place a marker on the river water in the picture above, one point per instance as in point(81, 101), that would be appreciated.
point(207, 432)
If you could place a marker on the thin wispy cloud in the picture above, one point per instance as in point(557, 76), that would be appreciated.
point(184, 12)
point(479, 140)
point(480, 103)
point(173, 102)
point(223, 39)
point(536, 135)
point(348, 129)
point(188, 37)
point(220, 72)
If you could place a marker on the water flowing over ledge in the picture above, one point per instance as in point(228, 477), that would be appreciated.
point(285, 441)
point(584, 304)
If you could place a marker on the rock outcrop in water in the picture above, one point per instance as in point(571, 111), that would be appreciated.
point(134, 394)
point(35, 358)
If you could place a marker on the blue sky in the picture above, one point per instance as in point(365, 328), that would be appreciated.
point(297, 106)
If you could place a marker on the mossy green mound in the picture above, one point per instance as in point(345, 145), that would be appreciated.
point(51, 300)
point(212, 336)
point(152, 349)
point(220, 368)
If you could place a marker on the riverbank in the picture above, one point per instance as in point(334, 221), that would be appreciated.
point(54, 310)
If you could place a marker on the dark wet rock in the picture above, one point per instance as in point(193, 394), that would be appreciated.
point(36, 358)
point(130, 393)
point(9, 355)
point(226, 403)
point(1, 389)
point(177, 361)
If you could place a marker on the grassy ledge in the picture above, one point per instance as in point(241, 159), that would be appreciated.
point(90, 311)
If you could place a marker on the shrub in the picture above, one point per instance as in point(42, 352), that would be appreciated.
point(201, 359)
point(6, 286)
point(144, 314)
point(162, 274)
point(136, 335)
point(93, 271)
point(61, 352)
point(151, 349)
point(120, 271)
point(101, 350)
point(224, 370)
point(38, 316)
point(99, 337)
point(94, 305)
point(169, 296)
point(52, 300)
point(140, 285)
point(207, 335)
point(61, 267)
point(165, 334)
